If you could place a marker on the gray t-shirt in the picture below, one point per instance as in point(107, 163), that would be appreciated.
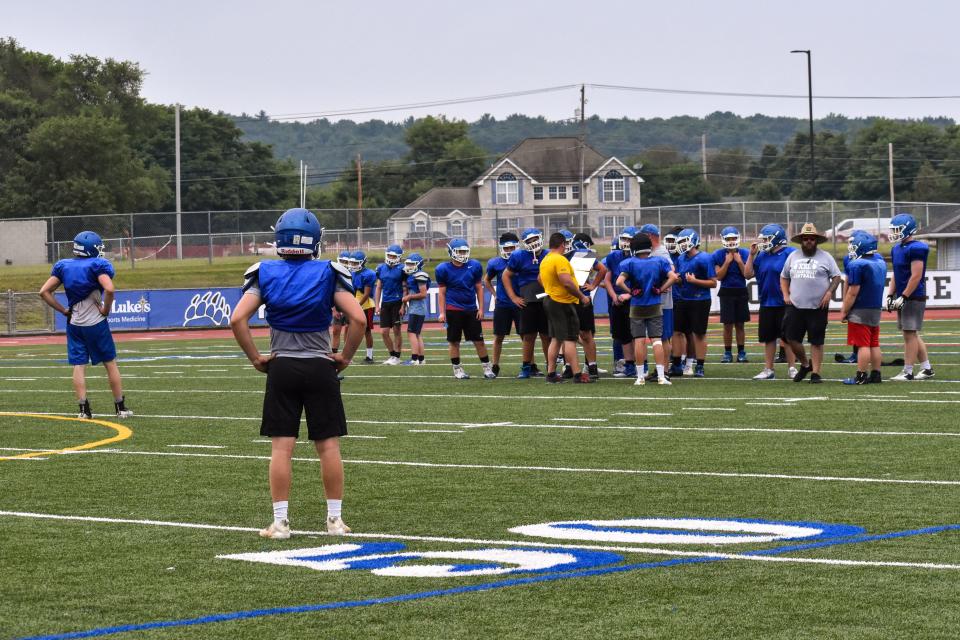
point(809, 277)
point(287, 344)
point(86, 313)
point(869, 317)
point(666, 298)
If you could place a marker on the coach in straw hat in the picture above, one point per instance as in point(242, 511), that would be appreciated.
point(808, 280)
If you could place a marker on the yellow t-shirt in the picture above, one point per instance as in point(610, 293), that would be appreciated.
point(550, 268)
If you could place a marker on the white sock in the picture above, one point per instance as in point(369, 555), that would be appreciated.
point(334, 508)
point(908, 368)
point(369, 352)
point(925, 364)
point(280, 510)
point(660, 371)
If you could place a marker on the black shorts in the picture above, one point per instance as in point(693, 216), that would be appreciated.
point(588, 321)
point(504, 318)
point(415, 323)
point(809, 322)
point(770, 324)
point(691, 316)
point(390, 315)
point(463, 325)
point(533, 319)
point(562, 319)
point(734, 307)
point(298, 384)
point(620, 323)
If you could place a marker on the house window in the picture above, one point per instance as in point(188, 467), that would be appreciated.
point(508, 191)
point(611, 225)
point(575, 192)
point(538, 193)
point(506, 224)
point(558, 192)
point(419, 226)
point(455, 228)
point(613, 189)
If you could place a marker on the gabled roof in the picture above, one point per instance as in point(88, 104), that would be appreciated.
point(949, 229)
point(441, 201)
point(555, 159)
point(603, 169)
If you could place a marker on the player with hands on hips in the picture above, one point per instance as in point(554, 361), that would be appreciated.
point(862, 303)
point(460, 304)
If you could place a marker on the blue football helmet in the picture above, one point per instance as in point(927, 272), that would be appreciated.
point(298, 233)
point(625, 237)
point(413, 263)
point(902, 225)
point(770, 237)
point(730, 238)
point(615, 244)
point(861, 244)
point(582, 242)
point(670, 243)
point(459, 250)
point(358, 261)
point(532, 239)
point(345, 258)
point(687, 239)
point(567, 240)
point(508, 244)
point(87, 244)
point(393, 255)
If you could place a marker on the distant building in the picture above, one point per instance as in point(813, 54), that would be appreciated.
point(947, 236)
point(538, 183)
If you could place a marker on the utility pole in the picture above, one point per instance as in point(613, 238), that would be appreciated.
point(359, 199)
point(176, 143)
point(703, 155)
point(813, 173)
point(583, 142)
point(890, 167)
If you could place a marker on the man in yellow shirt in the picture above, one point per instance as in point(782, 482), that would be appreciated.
point(562, 293)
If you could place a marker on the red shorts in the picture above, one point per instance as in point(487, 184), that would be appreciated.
point(861, 335)
point(369, 314)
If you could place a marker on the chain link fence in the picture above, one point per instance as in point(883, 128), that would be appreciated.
point(24, 313)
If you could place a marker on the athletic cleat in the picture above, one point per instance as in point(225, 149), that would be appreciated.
point(839, 358)
point(567, 372)
point(553, 378)
point(698, 372)
point(409, 363)
point(496, 369)
point(583, 378)
point(601, 371)
point(903, 376)
point(85, 412)
point(593, 371)
point(278, 530)
point(640, 381)
point(688, 370)
point(727, 357)
point(802, 372)
point(618, 366)
point(459, 373)
point(815, 378)
point(766, 374)
point(392, 361)
point(792, 372)
point(488, 371)
point(675, 371)
point(369, 360)
point(781, 356)
point(336, 526)
point(742, 356)
point(924, 374)
point(664, 381)
point(121, 409)
point(535, 371)
point(875, 377)
point(860, 378)
point(652, 376)
point(525, 372)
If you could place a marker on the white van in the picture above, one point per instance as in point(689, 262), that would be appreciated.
point(877, 226)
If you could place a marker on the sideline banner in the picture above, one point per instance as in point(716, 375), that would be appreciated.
point(178, 308)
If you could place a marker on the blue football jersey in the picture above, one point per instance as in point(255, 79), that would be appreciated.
point(525, 267)
point(871, 275)
point(495, 268)
point(460, 283)
point(766, 269)
point(392, 282)
point(701, 266)
point(904, 254)
point(734, 278)
point(80, 276)
point(364, 278)
point(417, 307)
point(298, 294)
point(646, 275)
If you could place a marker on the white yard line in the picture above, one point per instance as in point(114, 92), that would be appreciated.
point(197, 446)
point(580, 419)
point(707, 409)
point(513, 543)
point(433, 431)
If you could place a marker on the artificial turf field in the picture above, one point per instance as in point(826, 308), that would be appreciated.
point(436, 465)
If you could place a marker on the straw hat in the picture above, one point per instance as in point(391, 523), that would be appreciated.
point(809, 229)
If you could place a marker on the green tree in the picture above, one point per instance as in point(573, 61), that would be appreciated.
point(931, 185)
point(868, 176)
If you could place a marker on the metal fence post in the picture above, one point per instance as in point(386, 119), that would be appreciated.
point(788, 219)
point(54, 251)
point(700, 221)
point(660, 221)
point(743, 216)
point(209, 240)
point(11, 312)
point(133, 261)
point(833, 224)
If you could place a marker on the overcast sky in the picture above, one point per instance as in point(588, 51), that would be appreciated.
point(298, 57)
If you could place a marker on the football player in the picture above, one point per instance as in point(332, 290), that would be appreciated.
point(692, 310)
point(734, 301)
point(767, 257)
point(862, 303)
point(345, 258)
point(523, 288)
point(506, 314)
point(87, 280)
point(299, 293)
point(364, 281)
point(386, 297)
point(908, 294)
point(415, 297)
point(460, 302)
point(619, 307)
point(585, 263)
point(666, 301)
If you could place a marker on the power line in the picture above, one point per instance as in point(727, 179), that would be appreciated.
point(741, 94)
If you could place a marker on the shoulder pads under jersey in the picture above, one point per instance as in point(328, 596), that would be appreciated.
point(343, 275)
point(251, 277)
point(421, 276)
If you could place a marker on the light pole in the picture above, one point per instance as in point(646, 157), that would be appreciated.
point(813, 178)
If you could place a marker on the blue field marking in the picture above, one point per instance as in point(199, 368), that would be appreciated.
point(407, 597)
point(826, 530)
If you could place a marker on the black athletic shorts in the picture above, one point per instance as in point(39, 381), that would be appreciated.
point(298, 384)
point(770, 324)
point(734, 306)
point(588, 321)
point(620, 323)
point(504, 318)
point(533, 319)
point(415, 323)
point(809, 322)
point(390, 315)
point(691, 316)
point(463, 325)
point(562, 319)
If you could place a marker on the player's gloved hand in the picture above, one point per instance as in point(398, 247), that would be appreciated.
point(894, 303)
point(636, 293)
point(656, 291)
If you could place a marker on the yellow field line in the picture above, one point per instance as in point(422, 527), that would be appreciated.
point(122, 434)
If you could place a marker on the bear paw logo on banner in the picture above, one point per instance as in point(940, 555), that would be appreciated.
point(211, 307)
